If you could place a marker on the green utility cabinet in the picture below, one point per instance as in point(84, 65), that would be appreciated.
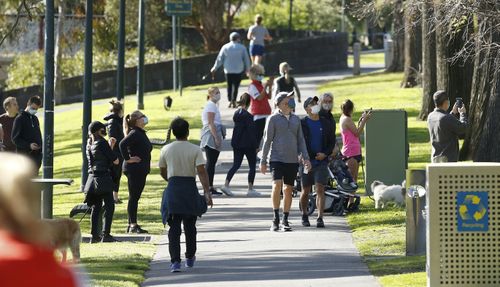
point(386, 147)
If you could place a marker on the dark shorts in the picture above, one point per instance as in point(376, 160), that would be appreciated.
point(256, 50)
point(358, 158)
point(318, 174)
point(284, 171)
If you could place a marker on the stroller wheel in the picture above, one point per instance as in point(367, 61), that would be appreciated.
point(311, 205)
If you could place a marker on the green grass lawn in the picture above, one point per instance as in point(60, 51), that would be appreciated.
point(380, 234)
point(373, 58)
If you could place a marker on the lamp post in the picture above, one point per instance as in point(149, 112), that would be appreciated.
point(290, 20)
point(140, 67)
point(120, 85)
point(87, 88)
point(342, 29)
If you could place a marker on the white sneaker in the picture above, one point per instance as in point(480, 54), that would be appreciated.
point(226, 191)
point(253, 193)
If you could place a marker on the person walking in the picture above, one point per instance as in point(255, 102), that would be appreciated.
point(326, 112)
point(7, 123)
point(100, 158)
point(244, 143)
point(283, 143)
point(115, 130)
point(446, 128)
point(136, 151)
point(259, 99)
point(26, 134)
point(234, 57)
point(285, 83)
point(258, 34)
point(179, 163)
point(320, 143)
point(212, 134)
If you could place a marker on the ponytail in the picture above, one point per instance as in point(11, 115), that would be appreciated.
point(126, 125)
point(130, 121)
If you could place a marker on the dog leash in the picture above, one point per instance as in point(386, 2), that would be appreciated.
point(86, 211)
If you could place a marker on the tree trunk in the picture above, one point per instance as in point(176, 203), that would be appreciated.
point(483, 138)
point(412, 48)
point(429, 84)
point(441, 51)
point(58, 53)
point(211, 25)
point(398, 40)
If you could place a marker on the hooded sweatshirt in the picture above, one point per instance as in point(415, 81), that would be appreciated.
point(244, 133)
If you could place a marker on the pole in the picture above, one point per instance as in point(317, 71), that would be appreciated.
point(179, 27)
point(120, 85)
point(140, 68)
point(343, 14)
point(48, 104)
point(87, 88)
point(290, 20)
point(174, 60)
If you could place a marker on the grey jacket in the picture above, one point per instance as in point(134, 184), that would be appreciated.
point(283, 139)
point(445, 130)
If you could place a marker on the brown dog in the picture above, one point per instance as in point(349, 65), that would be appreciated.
point(64, 233)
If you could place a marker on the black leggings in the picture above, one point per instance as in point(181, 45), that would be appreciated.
point(136, 183)
point(212, 157)
point(260, 125)
point(238, 154)
point(233, 83)
point(174, 236)
point(109, 210)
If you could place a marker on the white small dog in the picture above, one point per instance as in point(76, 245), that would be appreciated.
point(384, 194)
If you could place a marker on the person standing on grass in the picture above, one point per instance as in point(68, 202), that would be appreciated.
point(179, 163)
point(115, 130)
point(259, 99)
point(285, 83)
point(136, 151)
point(244, 143)
point(320, 143)
point(446, 128)
point(26, 134)
point(7, 122)
point(234, 57)
point(258, 34)
point(212, 134)
point(283, 143)
point(351, 148)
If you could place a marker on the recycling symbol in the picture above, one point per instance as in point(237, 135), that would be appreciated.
point(472, 208)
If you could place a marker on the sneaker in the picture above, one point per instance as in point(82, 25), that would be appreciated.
point(175, 267)
point(320, 223)
point(305, 221)
point(137, 229)
point(215, 192)
point(285, 226)
point(276, 225)
point(226, 191)
point(253, 193)
point(190, 262)
point(353, 185)
point(108, 238)
point(95, 239)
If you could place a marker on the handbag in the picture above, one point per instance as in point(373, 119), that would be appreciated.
point(98, 185)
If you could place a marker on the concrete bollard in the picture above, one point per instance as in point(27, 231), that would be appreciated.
point(388, 51)
point(356, 51)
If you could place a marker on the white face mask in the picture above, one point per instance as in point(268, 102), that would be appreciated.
point(216, 97)
point(315, 109)
point(327, 107)
point(259, 78)
point(32, 111)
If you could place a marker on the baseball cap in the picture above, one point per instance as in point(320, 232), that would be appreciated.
point(281, 96)
point(96, 126)
point(234, 36)
point(309, 100)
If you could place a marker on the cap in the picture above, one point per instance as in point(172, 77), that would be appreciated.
point(283, 65)
point(96, 126)
point(234, 36)
point(281, 96)
point(309, 100)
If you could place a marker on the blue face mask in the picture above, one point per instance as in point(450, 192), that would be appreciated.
point(260, 78)
point(146, 120)
point(291, 103)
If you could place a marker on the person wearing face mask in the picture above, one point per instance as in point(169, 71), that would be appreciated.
point(101, 158)
point(320, 143)
point(283, 143)
point(285, 83)
point(136, 151)
point(26, 134)
point(326, 105)
point(260, 94)
point(212, 134)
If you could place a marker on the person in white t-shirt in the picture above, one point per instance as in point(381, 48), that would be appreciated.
point(212, 134)
point(257, 34)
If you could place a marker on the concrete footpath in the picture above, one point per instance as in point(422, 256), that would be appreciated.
point(236, 248)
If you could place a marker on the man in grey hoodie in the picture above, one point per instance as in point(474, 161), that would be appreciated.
point(283, 143)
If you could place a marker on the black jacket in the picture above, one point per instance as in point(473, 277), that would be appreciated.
point(328, 142)
point(328, 116)
point(136, 143)
point(25, 131)
point(244, 132)
point(100, 157)
point(115, 130)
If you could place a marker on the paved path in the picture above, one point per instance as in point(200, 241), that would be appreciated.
point(236, 248)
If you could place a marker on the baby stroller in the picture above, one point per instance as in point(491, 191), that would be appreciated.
point(338, 191)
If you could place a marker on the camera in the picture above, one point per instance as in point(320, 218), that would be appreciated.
point(459, 102)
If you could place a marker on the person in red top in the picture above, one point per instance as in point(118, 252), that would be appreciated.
point(259, 99)
point(25, 258)
point(7, 121)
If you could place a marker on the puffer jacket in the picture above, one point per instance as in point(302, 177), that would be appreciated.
point(100, 157)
